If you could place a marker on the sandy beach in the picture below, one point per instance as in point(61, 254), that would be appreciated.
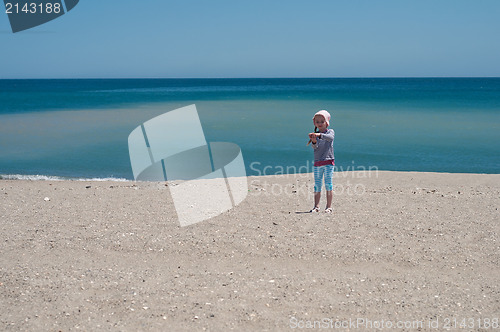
point(399, 249)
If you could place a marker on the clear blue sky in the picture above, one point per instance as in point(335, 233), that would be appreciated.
point(243, 38)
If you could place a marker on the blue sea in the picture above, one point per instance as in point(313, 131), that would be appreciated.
point(79, 128)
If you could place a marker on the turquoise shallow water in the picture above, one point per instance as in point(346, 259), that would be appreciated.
point(79, 128)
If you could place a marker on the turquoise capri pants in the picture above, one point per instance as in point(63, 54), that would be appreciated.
point(325, 171)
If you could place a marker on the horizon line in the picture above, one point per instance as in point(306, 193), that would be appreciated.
point(244, 78)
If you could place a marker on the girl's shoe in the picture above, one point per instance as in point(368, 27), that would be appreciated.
point(329, 210)
point(315, 209)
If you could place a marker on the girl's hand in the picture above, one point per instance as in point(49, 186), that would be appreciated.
point(313, 137)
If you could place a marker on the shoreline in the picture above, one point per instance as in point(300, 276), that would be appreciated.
point(111, 255)
point(39, 177)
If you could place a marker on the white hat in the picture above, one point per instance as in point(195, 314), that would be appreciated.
point(324, 114)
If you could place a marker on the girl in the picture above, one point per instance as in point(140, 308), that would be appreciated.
point(324, 160)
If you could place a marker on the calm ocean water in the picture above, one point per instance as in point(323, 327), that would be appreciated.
point(79, 128)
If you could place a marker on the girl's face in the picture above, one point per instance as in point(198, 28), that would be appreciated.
point(320, 122)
